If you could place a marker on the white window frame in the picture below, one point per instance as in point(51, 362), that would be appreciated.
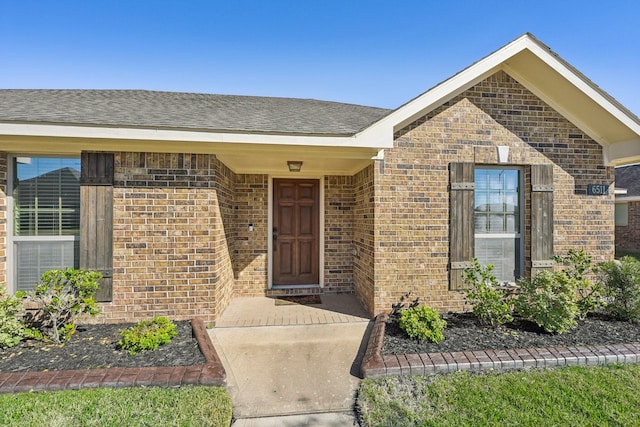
point(521, 216)
point(622, 214)
point(12, 239)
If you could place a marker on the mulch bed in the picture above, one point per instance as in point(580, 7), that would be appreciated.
point(95, 346)
point(464, 333)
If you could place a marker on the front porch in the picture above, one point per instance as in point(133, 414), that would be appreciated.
point(263, 311)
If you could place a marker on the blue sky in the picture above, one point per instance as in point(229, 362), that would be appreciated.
point(380, 53)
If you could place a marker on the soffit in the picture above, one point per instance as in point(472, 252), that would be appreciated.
point(239, 157)
point(546, 75)
point(592, 112)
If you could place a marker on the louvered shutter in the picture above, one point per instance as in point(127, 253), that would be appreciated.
point(96, 218)
point(541, 217)
point(461, 179)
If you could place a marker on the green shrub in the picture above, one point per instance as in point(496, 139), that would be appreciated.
point(422, 323)
point(490, 305)
point(621, 279)
point(576, 266)
point(548, 299)
point(63, 296)
point(147, 335)
point(12, 329)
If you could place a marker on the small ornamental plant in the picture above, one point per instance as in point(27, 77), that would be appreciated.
point(423, 323)
point(549, 300)
point(12, 329)
point(62, 297)
point(577, 265)
point(621, 281)
point(490, 304)
point(147, 335)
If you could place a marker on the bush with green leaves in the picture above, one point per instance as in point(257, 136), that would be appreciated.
point(423, 323)
point(577, 265)
point(147, 335)
point(490, 304)
point(621, 280)
point(12, 328)
point(62, 297)
point(549, 300)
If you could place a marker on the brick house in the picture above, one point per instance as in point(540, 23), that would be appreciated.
point(627, 208)
point(189, 200)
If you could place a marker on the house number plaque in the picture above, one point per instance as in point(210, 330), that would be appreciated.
point(597, 190)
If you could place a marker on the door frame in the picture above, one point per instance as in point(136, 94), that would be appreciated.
point(320, 179)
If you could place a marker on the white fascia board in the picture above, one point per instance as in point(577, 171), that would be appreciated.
point(444, 91)
point(120, 133)
point(567, 71)
point(382, 131)
point(622, 153)
point(621, 200)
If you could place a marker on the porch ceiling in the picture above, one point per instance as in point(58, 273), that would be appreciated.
point(241, 158)
point(314, 161)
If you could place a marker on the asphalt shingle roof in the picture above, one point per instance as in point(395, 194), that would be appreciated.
point(192, 111)
point(628, 177)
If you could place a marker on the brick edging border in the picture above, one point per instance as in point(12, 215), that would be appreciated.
point(211, 373)
point(375, 364)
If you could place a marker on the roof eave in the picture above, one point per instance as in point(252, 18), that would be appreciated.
point(8, 130)
point(626, 125)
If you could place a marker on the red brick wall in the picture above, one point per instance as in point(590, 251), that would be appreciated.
point(628, 237)
point(412, 197)
point(224, 237)
point(172, 234)
point(250, 251)
point(363, 236)
point(339, 206)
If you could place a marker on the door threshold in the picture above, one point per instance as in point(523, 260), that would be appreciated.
point(285, 290)
point(294, 286)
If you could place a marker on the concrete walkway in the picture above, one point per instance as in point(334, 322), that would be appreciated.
point(286, 360)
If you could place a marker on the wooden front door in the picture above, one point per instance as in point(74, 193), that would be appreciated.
point(296, 235)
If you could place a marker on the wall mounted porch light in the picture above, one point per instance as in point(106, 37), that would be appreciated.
point(294, 165)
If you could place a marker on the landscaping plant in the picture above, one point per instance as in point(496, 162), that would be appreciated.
point(147, 335)
point(549, 300)
point(490, 304)
point(577, 265)
point(621, 279)
point(422, 323)
point(62, 297)
point(12, 328)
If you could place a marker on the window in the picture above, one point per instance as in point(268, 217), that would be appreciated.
point(622, 214)
point(46, 216)
point(498, 221)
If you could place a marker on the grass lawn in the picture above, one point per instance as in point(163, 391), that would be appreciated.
point(153, 406)
point(576, 396)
